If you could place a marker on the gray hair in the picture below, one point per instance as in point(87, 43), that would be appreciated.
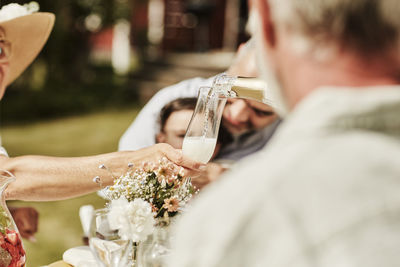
point(365, 26)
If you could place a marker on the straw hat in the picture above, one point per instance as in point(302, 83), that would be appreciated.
point(27, 32)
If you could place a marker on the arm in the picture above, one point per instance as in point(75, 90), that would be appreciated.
point(42, 178)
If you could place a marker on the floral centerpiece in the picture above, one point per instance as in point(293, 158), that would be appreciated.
point(144, 196)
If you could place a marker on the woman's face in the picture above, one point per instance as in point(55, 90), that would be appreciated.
point(175, 128)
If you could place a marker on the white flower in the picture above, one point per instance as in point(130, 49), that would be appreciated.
point(14, 10)
point(134, 220)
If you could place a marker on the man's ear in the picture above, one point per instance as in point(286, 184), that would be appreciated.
point(267, 24)
point(161, 138)
point(4, 69)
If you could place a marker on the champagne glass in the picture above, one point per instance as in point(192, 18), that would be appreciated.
point(108, 247)
point(202, 132)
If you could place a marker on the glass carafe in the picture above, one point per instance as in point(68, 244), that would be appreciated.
point(12, 253)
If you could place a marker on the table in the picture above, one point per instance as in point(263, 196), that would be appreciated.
point(59, 264)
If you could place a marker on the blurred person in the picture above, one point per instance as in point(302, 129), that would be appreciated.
point(324, 190)
point(23, 32)
point(27, 220)
point(250, 123)
point(174, 120)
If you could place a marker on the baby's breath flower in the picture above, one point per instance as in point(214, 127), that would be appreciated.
point(157, 185)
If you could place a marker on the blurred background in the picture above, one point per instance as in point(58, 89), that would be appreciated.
point(102, 62)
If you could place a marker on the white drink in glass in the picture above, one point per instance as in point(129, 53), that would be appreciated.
point(199, 148)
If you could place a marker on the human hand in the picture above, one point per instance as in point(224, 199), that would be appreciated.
point(211, 173)
point(158, 151)
point(26, 219)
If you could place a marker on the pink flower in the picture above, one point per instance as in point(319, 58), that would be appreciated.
point(171, 204)
point(154, 208)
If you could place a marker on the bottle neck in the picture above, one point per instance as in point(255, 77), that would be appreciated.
point(249, 88)
point(241, 87)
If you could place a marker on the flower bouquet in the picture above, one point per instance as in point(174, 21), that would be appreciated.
point(143, 200)
point(143, 196)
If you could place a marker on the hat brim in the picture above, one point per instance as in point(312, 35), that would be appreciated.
point(27, 35)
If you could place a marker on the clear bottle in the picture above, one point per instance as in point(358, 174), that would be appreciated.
point(243, 87)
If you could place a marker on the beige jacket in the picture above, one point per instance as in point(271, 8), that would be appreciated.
point(324, 192)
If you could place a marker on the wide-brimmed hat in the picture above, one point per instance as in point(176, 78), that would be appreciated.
point(26, 35)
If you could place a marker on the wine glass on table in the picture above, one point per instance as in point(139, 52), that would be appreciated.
point(201, 135)
point(106, 244)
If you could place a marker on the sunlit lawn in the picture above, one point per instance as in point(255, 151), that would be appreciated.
point(59, 224)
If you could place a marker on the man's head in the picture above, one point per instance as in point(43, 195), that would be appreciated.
point(296, 37)
point(22, 36)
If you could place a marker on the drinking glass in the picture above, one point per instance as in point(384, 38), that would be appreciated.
point(154, 251)
point(202, 132)
point(107, 246)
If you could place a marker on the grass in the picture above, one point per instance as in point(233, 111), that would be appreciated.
point(59, 224)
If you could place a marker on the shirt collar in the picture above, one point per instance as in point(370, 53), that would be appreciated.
point(374, 108)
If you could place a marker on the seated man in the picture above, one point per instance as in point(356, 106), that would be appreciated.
point(325, 191)
point(249, 122)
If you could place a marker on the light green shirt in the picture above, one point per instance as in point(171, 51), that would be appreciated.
point(324, 192)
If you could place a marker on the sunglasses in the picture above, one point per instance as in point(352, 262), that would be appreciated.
point(5, 51)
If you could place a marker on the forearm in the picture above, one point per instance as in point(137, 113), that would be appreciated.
point(41, 178)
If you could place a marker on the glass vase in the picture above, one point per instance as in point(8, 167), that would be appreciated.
point(109, 249)
point(12, 253)
point(153, 251)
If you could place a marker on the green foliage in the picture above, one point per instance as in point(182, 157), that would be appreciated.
point(4, 221)
point(102, 92)
point(63, 80)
